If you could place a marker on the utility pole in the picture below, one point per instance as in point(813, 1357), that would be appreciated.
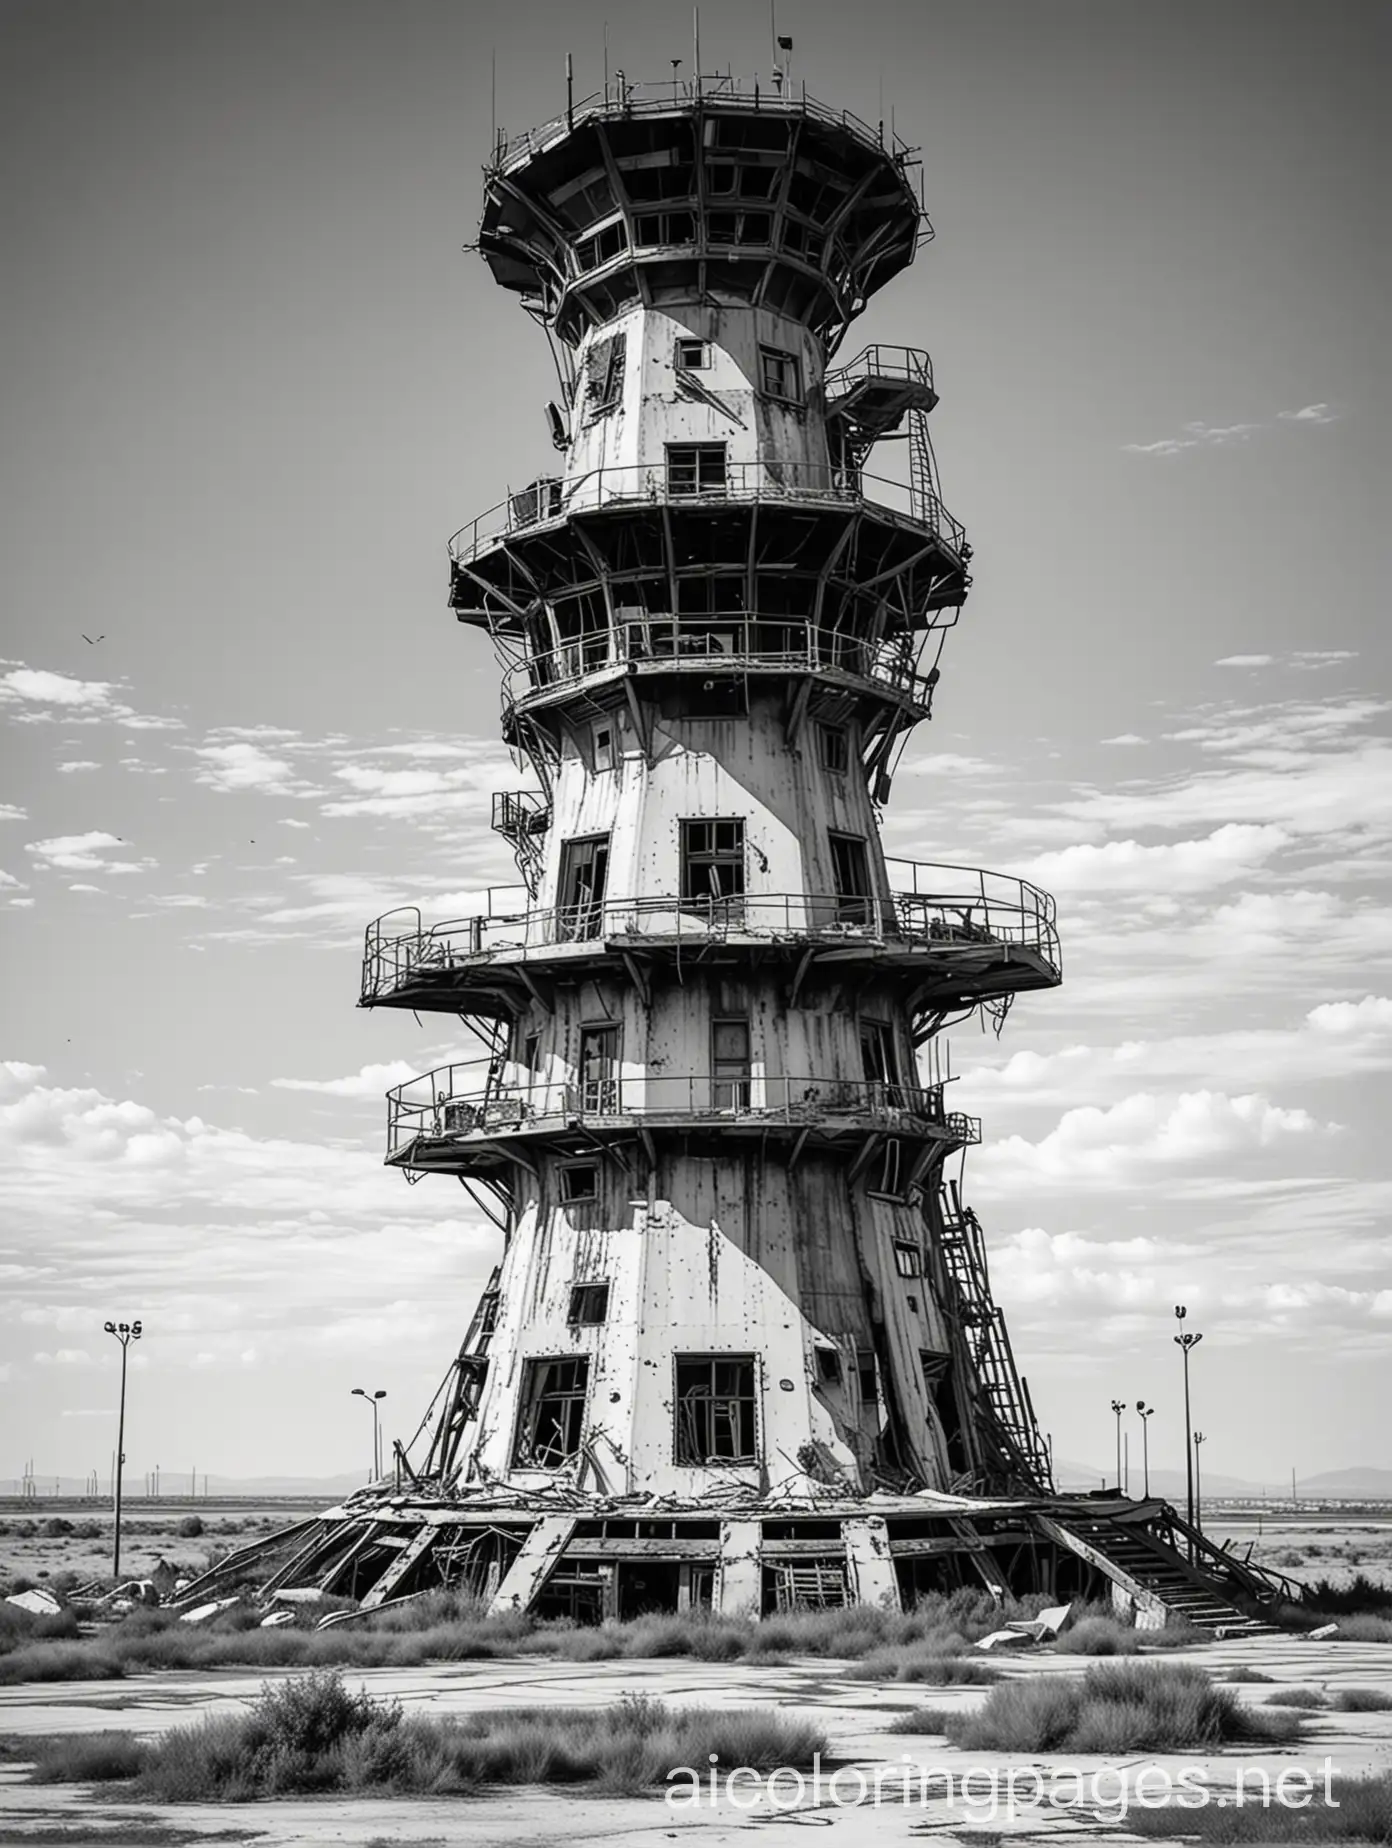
point(1198, 1482)
point(125, 1333)
point(1118, 1407)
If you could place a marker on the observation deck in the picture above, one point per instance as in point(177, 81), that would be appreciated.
point(436, 1124)
point(757, 196)
point(632, 535)
point(960, 934)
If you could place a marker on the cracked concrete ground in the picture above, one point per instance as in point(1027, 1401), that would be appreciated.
point(854, 1715)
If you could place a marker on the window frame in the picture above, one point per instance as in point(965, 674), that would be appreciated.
point(908, 1259)
point(779, 358)
point(700, 454)
point(692, 859)
point(582, 1296)
point(569, 1168)
point(713, 1458)
point(530, 1402)
point(687, 342)
point(891, 1182)
point(834, 741)
point(606, 367)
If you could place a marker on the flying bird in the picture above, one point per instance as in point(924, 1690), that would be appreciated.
point(92, 640)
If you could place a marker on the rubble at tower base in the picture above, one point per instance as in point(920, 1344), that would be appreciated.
point(572, 1555)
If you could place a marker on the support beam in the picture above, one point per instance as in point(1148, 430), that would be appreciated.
point(528, 1573)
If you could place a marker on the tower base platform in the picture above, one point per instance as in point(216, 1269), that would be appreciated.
point(590, 1559)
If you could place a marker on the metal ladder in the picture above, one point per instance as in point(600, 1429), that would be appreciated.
point(988, 1342)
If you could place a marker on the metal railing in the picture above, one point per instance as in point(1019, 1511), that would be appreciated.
point(437, 1106)
point(715, 640)
point(661, 97)
point(553, 497)
point(953, 908)
point(903, 365)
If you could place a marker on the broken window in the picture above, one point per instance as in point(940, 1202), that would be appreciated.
point(584, 871)
point(879, 1055)
point(693, 356)
point(551, 1417)
point(712, 860)
point(834, 749)
point(589, 1305)
point(599, 1069)
point(868, 1378)
point(780, 375)
point(886, 1174)
point(730, 1064)
point(696, 468)
point(851, 876)
point(907, 1259)
point(714, 1409)
point(828, 1366)
point(603, 736)
point(604, 372)
point(579, 1181)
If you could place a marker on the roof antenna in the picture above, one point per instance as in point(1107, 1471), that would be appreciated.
point(676, 66)
point(606, 62)
point(493, 101)
point(570, 91)
point(696, 43)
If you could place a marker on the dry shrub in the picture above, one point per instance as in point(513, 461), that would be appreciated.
point(1361, 1811)
point(86, 1758)
point(1297, 1697)
point(931, 1722)
point(913, 1663)
point(311, 1734)
point(1362, 1700)
point(1116, 1707)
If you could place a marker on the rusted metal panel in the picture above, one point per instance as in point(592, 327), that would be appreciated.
point(869, 1564)
point(739, 1582)
point(534, 1564)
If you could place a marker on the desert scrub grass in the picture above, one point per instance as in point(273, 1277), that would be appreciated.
point(1362, 1700)
point(1360, 1810)
point(1310, 1698)
point(312, 1734)
point(924, 1722)
point(1098, 1636)
point(19, 1628)
point(1247, 1676)
point(913, 1663)
point(86, 1758)
point(1361, 1596)
point(1116, 1707)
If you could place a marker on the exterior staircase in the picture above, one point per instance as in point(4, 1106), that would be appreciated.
point(1158, 1574)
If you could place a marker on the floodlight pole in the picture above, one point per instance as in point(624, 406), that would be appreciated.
point(125, 1333)
point(1198, 1483)
point(1145, 1413)
point(1118, 1407)
point(373, 1399)
point(1186, 1343)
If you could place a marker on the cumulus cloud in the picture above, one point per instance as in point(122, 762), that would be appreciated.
point(82, 853)
point(1229, 853)
point(1126, 1144)
point(241, 765)
point(78, 764)
point(1373, 1014)
point(371, 1082)
point(40, 695)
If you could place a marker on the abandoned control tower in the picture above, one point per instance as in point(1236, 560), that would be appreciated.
point(740, 1351)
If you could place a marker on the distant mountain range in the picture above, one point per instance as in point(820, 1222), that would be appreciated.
point(1355, 1484)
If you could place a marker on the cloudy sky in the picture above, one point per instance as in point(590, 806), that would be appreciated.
point(252, 386)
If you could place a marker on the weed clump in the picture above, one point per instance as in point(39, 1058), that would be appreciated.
point(87, 1758)
point(1297, 1697)
point(313, 1734)
point(1116, 1707)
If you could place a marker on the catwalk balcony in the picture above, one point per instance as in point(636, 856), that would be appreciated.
point(642, 654)
point(438, 1124)
point(873, 392)
point(957, 934)
point(785, 537)
point(649, 192)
